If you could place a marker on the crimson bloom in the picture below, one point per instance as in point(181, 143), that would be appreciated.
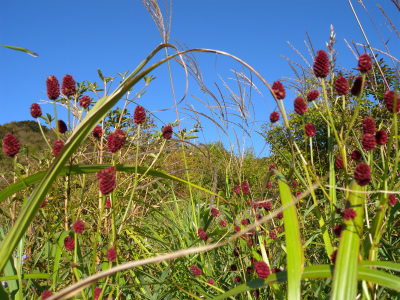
point(389, 101)
point(349, 214)
point(57, 147)
point(300, 106)
point(195, 270)
point(381, 137)
point(116, 140)
point(111, 254)
point(321, 64)
point(106, 179)
point(262, 269)
point(368, 141)
point(36, 111)
point(167, 132)
point(202, 234)
point(62, 127)
point(139, 115)
point(215, 212)
point(312, 95)
point(68, 85)
point(356, 155)
point(53, 87)
point(341, 86)
point(279, 90)
point(10, 145)
point(46, 294)
point(364, 63)
point(310, 129)
point(69, 243)
point(362, 174)
point(339, 162)
point(78, 226)
point(245, 187)
point(97, 132)
point(357, 86)
point(274, 117)
point(84, 102)
point(392, 199)
point(368, 125)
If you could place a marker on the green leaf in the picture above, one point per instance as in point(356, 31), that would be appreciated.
point(344, 284)
point(21, 49)
point(295, 257)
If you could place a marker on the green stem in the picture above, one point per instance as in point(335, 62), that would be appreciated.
point(55, 116)
point(41, 130)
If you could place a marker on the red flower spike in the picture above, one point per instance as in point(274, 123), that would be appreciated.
point(167, 132)
point(245, 187)
point(238, 279)
point(392, 199)
point(236, 189)
point(356, 155)
point(267, 205)
point(78, 226)
point(202, 234)
point(364, 63)
point(341, 86)
point(36, 111)
point(279, 90)
point(62, 127)
point(269, 185)
point(53, 88)
point(69, 243)
point(310, 129)
point(223, 223)
point(139, 115)
point(43, 204)
point(280, 216)
point(97, 293)
point(215, 212)
point(349, 214)
point(300, 106)
point(233, 268)
point(321, 64)
point(368, 125)
point(237, 229)
point(274, 117)
point(333, 256)
point(256, 293)
point(262, 269)
point(294, 184)
point(271, 167)
point(10, 145)
point(272, 235)
point(195, 270)
point(362, 174)
point(389, 101)
point(337, 230)
point(357, 86)
point(245, 222)
point(106, 179)
point(210, 281)
point(84, 102)
point(97, 132)
point(368, 141)
point(312, 95)
point(381, 137)
point(276, 270)
point(68, 85)
point(339, 163)
point(57, 147)
point(116, 140)
point(111, 254)
point(108, 203)
point(258, 216)
point(46, 294)
point(298, 193)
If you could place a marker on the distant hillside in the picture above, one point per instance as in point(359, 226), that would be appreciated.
point(31, 144)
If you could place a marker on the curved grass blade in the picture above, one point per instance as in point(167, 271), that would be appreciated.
point(344, 284)
point(87, 169)
point(21, 49)
point(295, 257)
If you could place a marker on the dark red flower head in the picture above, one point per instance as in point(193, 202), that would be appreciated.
point(57, 147)
point(68, 85)
point(245, 187)
point(272, 235)
point(238, 279)
point(310, 129)
point(300, 106)
point(267, 205)
point(43, 204)
point(106, 179)
point(294, 184)
point(236, 189)
point(321, 64)
point(272, 166)
point(210, 281)
point(46, 294)
point(381, 137)
point(362, 174)
point(53, 88)
point(298, 193)
point(223, 223)
point(84, 102)
point(62, 127)
point(116, 140)
point(167, 132)
point(312, 95)
point(341, 86)
point(339, 162)
point(111, 254)
point(256, 293)
point(233, 268)
point(10, 145)
point(274, 117)
point(245, 222)
point(337, 230)
point(97, 132)
point(36, 111)
point(69, 243)
point(139, 115)
point(368, 141)
point(215, 212)
point(262, 269)
point(279, 90)
point(108, 203)
point(280, 216)
point(356, 155)
point(333, 256)
point(364, 63)
point(349, 214)
point(249, 270)
point(357, 86)
point(392, 199)
point(78, 226)
point(389, 101)
point(237, 229)
point(368, 125)
point(202, 234)
point(97, 293)
point(195, 270)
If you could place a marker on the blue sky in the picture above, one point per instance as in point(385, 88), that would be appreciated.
point(78, 37)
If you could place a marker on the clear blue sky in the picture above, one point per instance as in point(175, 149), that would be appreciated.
point(77, 37)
